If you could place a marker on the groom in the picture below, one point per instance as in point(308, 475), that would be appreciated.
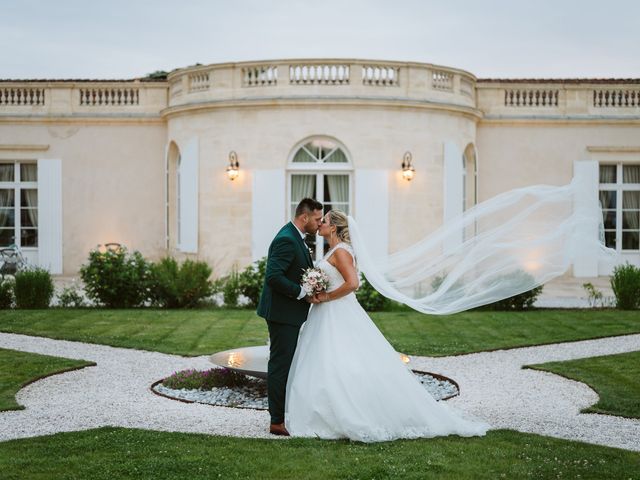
point(283, 303)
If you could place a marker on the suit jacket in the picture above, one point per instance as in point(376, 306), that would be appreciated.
point(287, 259)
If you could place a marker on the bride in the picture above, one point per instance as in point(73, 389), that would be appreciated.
point(346, 380)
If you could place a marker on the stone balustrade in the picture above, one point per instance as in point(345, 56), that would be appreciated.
point(616, 98)
point(21, 96)
point(567, 99)
point(380, 75)
point(322, 74)
point(260, 75)
point(325, 80)
point(82, 98)
point(321, 80)
point(109, 96)
point(516, 97)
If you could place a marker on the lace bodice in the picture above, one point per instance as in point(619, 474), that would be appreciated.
point(335, 277)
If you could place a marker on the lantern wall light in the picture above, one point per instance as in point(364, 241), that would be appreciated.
point(407, 169)
point(234, 166)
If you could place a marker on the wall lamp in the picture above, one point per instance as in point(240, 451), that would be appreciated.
point(110, 247)
point(234, 166)
point(407, 169)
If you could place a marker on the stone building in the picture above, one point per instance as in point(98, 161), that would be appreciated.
point(147, 162)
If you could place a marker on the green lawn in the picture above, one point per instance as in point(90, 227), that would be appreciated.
point(127, 453)
point(198, 332)
point(110, 453)
point(616, 378)
point(19, 368)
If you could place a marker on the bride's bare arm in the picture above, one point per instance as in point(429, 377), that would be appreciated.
point(343, 261)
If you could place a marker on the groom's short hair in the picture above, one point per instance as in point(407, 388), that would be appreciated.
point(307, 205)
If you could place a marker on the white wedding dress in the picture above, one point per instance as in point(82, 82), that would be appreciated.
point(347, 381)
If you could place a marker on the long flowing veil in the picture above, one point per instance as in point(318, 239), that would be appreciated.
point(504, 246)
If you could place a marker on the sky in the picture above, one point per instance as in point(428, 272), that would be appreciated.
point(62, 39)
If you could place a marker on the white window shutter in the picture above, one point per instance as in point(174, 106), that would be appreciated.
point(268, 207)
point(166, 196)
point(371, 197)
point(452, 189)
point(585, 261)
point(189, 197)
point(50, 215)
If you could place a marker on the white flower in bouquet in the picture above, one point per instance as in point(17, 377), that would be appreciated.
point(314, 280)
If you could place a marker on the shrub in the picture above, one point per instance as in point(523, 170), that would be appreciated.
point(230, 286)
point(205, 380)
point(521, 301)
point(180, 286)
point(71, 296)
point(6, 292)
point(251, 280)
point(33, 288)
point(369, 298)
point(625, 283)
point(117, 279)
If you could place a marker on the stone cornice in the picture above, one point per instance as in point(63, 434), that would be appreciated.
point(25, 147)
point(393, 102)
point(560, 120)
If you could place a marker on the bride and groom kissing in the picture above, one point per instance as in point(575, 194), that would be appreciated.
point(331, 373)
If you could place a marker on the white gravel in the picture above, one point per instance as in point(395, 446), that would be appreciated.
point(493, 387)
point(254, 395)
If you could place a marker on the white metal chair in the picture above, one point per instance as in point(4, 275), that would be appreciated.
point(12, 260)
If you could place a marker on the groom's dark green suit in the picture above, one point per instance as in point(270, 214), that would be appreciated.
point(287, 259)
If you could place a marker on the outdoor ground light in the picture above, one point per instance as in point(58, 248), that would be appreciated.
point(407, 169)
point(234, 166)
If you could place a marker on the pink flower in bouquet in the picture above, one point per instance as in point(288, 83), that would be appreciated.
point(314, 280)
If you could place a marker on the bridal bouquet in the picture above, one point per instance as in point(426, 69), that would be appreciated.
point(314, 280)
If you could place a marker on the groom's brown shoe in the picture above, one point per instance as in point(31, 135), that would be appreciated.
point(278, 429)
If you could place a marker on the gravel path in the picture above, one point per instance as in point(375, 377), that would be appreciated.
point(493, 385)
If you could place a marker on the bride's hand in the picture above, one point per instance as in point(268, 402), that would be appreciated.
point(322, 297)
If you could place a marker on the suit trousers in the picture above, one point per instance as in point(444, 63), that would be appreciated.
point(283, 339)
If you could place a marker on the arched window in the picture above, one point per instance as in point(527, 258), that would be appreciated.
point(178, 206)
point(320, 168)
point(469, 178)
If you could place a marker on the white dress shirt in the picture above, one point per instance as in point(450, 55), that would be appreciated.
point(302, 293)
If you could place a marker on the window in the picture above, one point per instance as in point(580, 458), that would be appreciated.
point(320, 169)
point(620, 201)
point(19, 204)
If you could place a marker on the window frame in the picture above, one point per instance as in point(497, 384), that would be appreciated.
point(619, 187)
point(17, 186)
point(319, 169)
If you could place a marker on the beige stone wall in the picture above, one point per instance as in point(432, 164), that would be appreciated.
point(513, 155)
point(264, 138)
point(113, 176)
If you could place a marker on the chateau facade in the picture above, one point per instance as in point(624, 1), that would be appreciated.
point(208, 161)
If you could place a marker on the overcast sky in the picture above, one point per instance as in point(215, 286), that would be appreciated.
point(490, 38)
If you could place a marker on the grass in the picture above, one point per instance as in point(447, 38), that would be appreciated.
point(199, 332)
point(121, 453)
point(616, 378)
point(109, 453)
point(20, 368)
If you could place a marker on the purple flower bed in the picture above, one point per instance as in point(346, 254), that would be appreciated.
point(205, 379)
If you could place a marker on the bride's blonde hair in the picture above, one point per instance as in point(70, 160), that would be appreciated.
point(339, 220)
